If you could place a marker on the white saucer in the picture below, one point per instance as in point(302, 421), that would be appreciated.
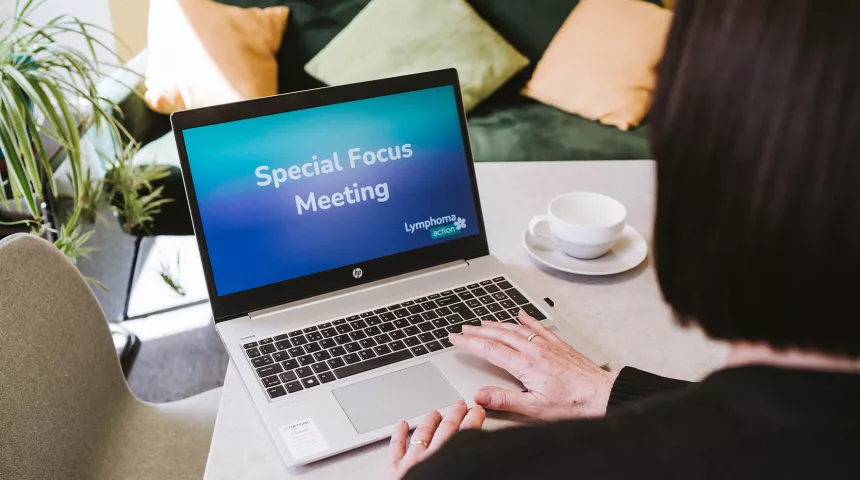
point(629, 251)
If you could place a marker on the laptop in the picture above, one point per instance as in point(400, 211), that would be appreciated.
point(342, 241)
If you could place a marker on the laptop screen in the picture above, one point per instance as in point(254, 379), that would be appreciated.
point(292, 194)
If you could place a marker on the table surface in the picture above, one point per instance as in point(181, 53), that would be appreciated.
point(624, 314)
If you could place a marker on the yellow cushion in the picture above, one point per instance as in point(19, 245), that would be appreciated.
point(602, 63)
point(203, 53)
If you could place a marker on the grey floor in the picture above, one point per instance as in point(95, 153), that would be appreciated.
point(167, 369)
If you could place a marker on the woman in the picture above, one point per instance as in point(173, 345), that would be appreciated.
point(756, 131)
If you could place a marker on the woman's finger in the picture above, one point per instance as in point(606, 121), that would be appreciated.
point(494, 398)
point(474, 419)
point(541, 329)
point(520, 330)
point(492, 351)
point(508, 337)
point(422, 437)
point(397, 447)
point(449, 426)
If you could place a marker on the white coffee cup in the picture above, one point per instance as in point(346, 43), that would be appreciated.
point(581, 224)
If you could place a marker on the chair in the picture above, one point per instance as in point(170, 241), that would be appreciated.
point(65, 408)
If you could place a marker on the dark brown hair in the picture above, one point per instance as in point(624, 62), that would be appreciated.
point(756, 131)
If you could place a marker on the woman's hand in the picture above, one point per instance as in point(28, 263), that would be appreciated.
point(428, 437)
point(561, 382)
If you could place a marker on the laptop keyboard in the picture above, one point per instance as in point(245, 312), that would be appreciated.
point(306, 358)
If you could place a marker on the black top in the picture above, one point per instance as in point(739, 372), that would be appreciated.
point(749, 422)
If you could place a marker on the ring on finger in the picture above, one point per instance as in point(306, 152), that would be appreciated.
point(419, 442)
point(532, 336)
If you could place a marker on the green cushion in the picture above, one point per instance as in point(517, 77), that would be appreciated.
point(393, 37)
point(529, 131)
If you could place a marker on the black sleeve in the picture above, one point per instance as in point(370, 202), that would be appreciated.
point(633, 385)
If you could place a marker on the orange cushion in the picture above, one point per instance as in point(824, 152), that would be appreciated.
point(602, 63)
point(203, 53)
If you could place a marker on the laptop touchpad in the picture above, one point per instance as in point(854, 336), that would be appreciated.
point(399, 395)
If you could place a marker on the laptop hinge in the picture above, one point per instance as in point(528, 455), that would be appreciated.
point(358, 288)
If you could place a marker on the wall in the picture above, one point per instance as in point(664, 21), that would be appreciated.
point(129, 21)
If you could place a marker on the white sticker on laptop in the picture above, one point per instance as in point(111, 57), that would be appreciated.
point(304, 439)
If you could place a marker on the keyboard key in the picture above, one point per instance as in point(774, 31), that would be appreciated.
point(352, 347)
point(336, 363)
point(513, 322)
point(429, 305)
point(440, 323)
point(488, 318)
point(373, 331)
point(433, 296)
point(341, 339)
point(320, 356)
point(486, 299)
point(381, 350)
point(276, 392)
point(479, 292)
point(426, 337)
point(252, 352)
point(296, 352)
point(441, 333)
point(459, 289)
point(472, 286)
point(280, 356)
point(514, 312)
point(343, 328)
point(324, 325)
point(397, 334)
point(357, 335)
point(504, 284)
point(300, 340)
point(337, 351)
point(366, 314)
point(429, 315)
point(313, 347)
point(502, 316)
point(377, 362)
point(445, 301)
point(399, 323)
point(294, 387)
point(269, 370)
point(434, 346)
point(271, 381)
point(310, 329)
point(516, 296)
point(394, 307)
point(481, 311)
point(419, 350)
point(492, 288)
point(454, 318)
point(314, 336)
point(415, 309)
point(425, 327)
point(382, 339)
point(446, 343)
point(306, 360)
point(533, 311)
point(444, 311)
point(295, 334)
point(494, 307)
point(326, 377)
point(499, 279)
point(304, 372)
point(499, 296)
point(366, 354)
point(401, 313)
point(249, 345)
point(508, 303)
point(358, 324)
point(473, 303)
point(373, 321)
point(339, 322)
point(415, 319)
point(261, 361)
point(352, 358)
point(266, 341)
point(290, 364)
point(454, 328)
point(413, 330)
point(474, 323)
point(310, 382)
point(380, 310)
point(407, 303)
point(367, 343)
point(320, 367)
point(466, 296)
point(412, 341)
point(268, 348)
point(420, 299)
point(352, 318)
point(283, 344)
point(487, 282)
point(328, 343)
point(464, 311)
point(398, 345)
point(287, 377)
point(446, 292)
point(387, 327)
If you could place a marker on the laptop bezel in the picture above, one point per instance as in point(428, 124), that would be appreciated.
point(226, 307)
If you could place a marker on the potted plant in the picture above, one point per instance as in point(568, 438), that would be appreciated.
point(49, 94)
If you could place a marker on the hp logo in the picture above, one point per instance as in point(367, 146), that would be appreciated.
point(357, 273)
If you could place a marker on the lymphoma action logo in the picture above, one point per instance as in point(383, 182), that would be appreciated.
point(439, 227)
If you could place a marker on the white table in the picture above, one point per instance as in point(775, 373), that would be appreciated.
point(623, 314)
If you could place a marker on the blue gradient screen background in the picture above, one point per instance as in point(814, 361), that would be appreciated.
point(254, 234)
